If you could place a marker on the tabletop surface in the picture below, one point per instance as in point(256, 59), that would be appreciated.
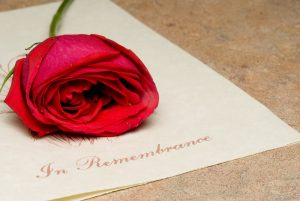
point(256, 45)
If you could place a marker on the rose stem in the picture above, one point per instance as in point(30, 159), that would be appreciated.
point(9, 74)
point(56, 20)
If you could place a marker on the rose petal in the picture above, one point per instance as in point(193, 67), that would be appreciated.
point(70, 51)
point(75, 86)
point(15, 100)
point(129, 55)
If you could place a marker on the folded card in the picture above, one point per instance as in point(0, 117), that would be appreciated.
point(202, 119)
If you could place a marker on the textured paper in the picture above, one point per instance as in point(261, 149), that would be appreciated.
point(203, 119)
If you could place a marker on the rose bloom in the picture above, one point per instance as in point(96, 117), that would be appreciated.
point(84, 84)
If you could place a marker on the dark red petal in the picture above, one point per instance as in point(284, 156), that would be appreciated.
point(110, 116)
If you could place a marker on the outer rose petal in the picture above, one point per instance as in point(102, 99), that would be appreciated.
point(68, 53)
point(130, 55)
point(16, 101)
point(33, 61)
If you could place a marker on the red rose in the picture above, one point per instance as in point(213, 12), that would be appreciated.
point(82, 84)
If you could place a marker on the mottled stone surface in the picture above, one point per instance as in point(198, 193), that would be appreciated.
point(256, 45)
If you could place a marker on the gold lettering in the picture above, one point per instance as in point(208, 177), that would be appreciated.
point(141, 156)
point(106, 163)
point(121, 160)
point(88, 162)
point(159, 150)
point(178, 146)
point(46, 170)
point(206, 138)
point(133, 158)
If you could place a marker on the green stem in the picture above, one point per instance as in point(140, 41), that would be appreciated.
point(6, 78)
point(31, 46)
point(56, 20)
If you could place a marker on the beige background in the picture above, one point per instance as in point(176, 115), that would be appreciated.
point(256, 45)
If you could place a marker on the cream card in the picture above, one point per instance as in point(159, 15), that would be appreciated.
point(202, 120)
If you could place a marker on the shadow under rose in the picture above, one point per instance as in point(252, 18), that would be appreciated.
point(61, 138)
point(146, 125)
point(12, 120)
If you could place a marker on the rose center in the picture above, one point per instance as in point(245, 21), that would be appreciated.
point(94, 93)
point(80, 95)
